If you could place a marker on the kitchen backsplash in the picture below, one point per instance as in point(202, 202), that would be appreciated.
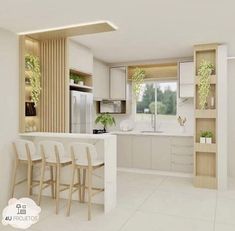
point(184, 109)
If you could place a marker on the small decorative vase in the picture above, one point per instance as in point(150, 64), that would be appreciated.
point(182, 129)
point(208, 140)
point(202, 140)
point(81, 83)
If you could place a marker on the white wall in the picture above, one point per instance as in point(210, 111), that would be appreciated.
point(9, 101)
point(231, 117)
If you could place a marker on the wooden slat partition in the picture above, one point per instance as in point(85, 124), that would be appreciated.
point(54, 80)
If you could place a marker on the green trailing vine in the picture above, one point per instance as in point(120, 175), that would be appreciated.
point(137, 79)
point(205, 70)
point(32, 67)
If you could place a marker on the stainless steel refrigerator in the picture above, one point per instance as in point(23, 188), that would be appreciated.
point(81, 106)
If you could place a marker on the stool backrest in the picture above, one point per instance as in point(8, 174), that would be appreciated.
point(51, 151)
point(83, 152)
point(24, 149)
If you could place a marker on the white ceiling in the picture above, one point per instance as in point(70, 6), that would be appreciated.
point(147, 29)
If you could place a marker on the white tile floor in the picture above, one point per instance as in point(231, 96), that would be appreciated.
point(151, 203)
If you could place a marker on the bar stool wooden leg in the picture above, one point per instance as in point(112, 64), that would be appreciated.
point(70, 193)
point(89, 192)
point(83, 185)
point(57, 188)
point(41, 183)
point(52, 183)
point(79, 185)
point(31, 181)
point(29, 178)
point(14, 178)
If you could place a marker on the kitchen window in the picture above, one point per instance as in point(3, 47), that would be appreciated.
point(160, 93)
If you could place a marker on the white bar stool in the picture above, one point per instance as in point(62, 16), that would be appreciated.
point(54, 156)
point(84, 157)
point(25, 153)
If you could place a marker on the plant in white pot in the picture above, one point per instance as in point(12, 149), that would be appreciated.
point(74, 78)
point(105, 120)
point(205, 70)
point(203, 137)
point(209, 136)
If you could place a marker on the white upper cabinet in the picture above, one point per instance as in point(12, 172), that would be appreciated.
point(118, 83)
point(100, 80)
point(186, 79)
point(80, 57)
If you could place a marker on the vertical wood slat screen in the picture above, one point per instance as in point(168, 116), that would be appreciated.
point(53, 113)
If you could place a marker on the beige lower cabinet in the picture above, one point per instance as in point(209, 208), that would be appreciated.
point(124, 151)
point(164, 153)
point(161, 153)
point(141, 152)
point(182, 154)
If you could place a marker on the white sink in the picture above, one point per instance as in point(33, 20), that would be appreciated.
point(152, 131)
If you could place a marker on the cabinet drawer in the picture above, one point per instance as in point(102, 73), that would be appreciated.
point(182, 159)
point(185, 168)
point(182, 141)
point(181, 150)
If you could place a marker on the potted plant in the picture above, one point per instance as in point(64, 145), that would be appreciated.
point(106, 120)
point(33, 73)
point(205, 70)
point(203, 137)
point(137, 80)
point(209, 136)
point(74, 78)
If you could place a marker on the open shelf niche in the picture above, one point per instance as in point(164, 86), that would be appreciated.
point(210, 160)
point(29, 114)
point(86, 79)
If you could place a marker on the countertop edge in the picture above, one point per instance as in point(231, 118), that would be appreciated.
point(152, 134)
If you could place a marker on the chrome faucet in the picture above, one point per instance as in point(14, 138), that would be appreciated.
point(154, 122)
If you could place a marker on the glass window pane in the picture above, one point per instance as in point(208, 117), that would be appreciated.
point(166, 98)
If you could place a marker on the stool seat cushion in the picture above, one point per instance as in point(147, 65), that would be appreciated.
point(94, 163)
point(63, 160)
point(33, 158)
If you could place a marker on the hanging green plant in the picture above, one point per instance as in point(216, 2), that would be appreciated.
point(32, 68)
point(205, 70)
point(137, 79)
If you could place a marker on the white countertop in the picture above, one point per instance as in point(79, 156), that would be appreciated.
point(67, 135)
point(180, 134)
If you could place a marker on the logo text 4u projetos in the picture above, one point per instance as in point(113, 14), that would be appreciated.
point(21, 213)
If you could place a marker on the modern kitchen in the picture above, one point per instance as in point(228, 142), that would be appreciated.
point(106, 141)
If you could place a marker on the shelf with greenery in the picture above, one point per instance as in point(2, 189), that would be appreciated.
point(33, 76)
point(207, 113)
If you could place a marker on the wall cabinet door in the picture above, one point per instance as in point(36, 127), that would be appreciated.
point(100, 80)
point(161, 153)
point(124, 151)
point(186, 79)
point(80, 58)
point(118, 83)
point(141, 152)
